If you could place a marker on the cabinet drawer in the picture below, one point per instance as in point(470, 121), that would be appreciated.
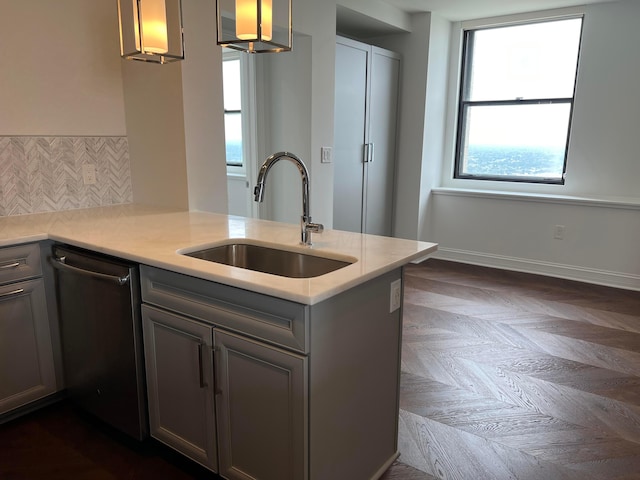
point(20, 262)
point(268, 318)
point(27, 371)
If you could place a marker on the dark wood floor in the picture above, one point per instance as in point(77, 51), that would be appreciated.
point(60, 443)
point(504, 376)
point(509, 375)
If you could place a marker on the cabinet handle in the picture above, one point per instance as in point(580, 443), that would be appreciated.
point(10, 265)
point(200, 366)
point(368, 153)
point(14, 292)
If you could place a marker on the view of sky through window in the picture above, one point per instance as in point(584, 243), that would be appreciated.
point(232, 106)
point(516, 105)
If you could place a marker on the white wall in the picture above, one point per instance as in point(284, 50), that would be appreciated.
point(424, 83)
point(286, 127)
point(155, 126)
point(61, 106)
point(602, 157)
point(318, 19)
point(300, 118)
point(599, 245)
point(411, 124)
point(516, 231)
point(63, 76)
point(601, 238)
point(381, 11)
point(203, 109)
point(60, 70)
point(175, 121)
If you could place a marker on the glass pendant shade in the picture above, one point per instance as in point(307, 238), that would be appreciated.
point(254, 26)
point(151, 30)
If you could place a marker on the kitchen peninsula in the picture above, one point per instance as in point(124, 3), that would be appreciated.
point(289, 378)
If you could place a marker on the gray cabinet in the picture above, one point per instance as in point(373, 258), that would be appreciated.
point(180, 384)
point(366, 98)
point(261, 407)
point(301, 392)
point(27, 370)
point(260, 389)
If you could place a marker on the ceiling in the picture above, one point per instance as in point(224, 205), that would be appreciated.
point(352, 23)
point(468, 9)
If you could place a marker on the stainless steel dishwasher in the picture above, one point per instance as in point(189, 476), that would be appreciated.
point(101, 330)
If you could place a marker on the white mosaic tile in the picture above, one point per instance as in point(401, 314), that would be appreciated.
point(44, 174)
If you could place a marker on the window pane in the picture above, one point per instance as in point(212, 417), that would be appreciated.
point(233, 138)
point(515, 140)
point(536, 60)
point(231, 84)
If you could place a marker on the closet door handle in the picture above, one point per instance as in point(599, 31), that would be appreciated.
point(368, 153)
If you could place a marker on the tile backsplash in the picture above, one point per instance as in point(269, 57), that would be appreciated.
point(45, 174)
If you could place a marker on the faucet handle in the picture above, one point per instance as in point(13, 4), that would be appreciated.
point(314, 227)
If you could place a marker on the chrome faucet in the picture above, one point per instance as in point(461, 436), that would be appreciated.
point(306, 226)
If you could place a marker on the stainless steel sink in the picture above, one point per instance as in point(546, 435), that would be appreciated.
point(284, 263)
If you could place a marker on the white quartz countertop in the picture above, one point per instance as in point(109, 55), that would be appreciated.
point(154, 236)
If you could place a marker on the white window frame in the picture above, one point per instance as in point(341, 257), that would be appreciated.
point(248, 105)
point(448, 179)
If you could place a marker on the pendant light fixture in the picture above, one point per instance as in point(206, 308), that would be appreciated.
point(254, 26)
point(151, 30)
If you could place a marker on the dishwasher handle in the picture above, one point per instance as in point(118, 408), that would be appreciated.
point(59, 263)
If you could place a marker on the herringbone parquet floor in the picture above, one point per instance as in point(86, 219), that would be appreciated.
point(514, 376)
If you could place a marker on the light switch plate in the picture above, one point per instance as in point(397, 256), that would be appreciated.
point(325, 155)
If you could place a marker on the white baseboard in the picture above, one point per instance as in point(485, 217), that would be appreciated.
point(582, 274)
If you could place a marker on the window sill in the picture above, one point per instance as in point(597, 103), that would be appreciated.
point(236, 172)
point(625, 203)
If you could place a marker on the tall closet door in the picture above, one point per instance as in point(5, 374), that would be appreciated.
point(380, 169)
point(367, 82)
point(349, 135)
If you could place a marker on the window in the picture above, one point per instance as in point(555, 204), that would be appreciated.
point(516, 101)
point(231, 80)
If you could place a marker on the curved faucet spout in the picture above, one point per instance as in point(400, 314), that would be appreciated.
point(305, 222)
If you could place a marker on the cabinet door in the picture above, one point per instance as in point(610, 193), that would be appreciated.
point(380, 171)
point(26, 359)
point(180, 384)
point(349, 134)
point(261, 407)
point(366, 105)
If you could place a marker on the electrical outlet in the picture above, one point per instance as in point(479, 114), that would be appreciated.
point(558, 232)
point(89, 174)
point(395, 295)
